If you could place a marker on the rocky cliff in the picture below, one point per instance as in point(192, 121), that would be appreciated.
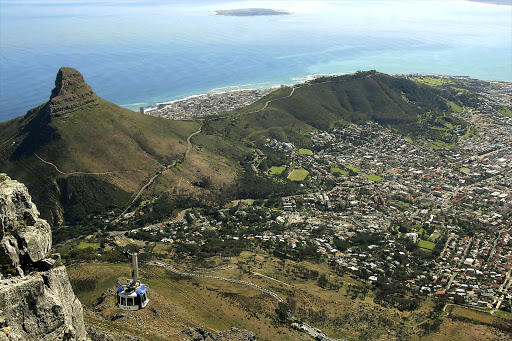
point(71, 91)
point(36, 298)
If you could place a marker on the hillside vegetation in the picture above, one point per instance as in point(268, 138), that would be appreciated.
point(337, 303)
point(327, 102)
point(81, 155)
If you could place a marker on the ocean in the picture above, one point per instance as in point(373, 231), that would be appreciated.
point(137, 53)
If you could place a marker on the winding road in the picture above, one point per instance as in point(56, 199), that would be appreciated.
point(176, 271)
point(294, 87)
point(189, 144)
point(312, 331)
point(189, 147)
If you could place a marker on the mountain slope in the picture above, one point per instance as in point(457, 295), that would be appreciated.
point(325, 102)
point(79, 154)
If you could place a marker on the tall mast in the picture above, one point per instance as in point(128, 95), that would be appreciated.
point(135, 266)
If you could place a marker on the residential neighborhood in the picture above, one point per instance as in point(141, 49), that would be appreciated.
point(384, 208)
point(213, 103)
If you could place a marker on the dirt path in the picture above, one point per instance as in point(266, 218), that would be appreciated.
point(86, 173)
point(236, 281)
point(189, 147)
point(312, 331)
point(294, 87)
point(273, 279)
point(152, 179)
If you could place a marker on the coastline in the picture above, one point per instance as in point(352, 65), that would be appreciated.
point(249, 12)
point(297, 81)
point(214, 102)
point(159, 105)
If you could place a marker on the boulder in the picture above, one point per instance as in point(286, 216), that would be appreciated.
point(37, 301)
point(25, 238)
point(41, 306)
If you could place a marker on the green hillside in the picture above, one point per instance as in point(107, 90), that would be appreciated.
point(330, 101)
point(80, 155)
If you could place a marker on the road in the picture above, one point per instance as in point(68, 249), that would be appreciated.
point(176, 271)
point(189, 147)
point(152, 179)
point(463, 257)
point(466, 250)
point(450, 281)
point(446, 244)
point(294, 87)
point(493, 250)
point(275, 99)
point(503, 288)
point(312, 331)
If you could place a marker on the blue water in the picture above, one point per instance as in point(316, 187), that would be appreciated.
point(141, 52)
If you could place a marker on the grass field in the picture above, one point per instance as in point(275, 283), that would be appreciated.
point(432, 81)
point(441, 145)
point(435, 235)
point(339, 171)
point(425, 244)
point(298, 175)
point(478, 316)
point(438, 82)
point(99, 277)
point(454, 106)
point(374, 177)
point(354, 169)
point(503, 314)
point(400, 202)
point(304, 151)
point(505, 111)
point(85, 245)
point(276, 170)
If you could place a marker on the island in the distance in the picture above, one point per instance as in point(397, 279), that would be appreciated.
point(248, 12)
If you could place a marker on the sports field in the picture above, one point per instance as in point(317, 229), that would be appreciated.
point(274, 170)
point(304, 151)
point(425, 244)
point(298, 175)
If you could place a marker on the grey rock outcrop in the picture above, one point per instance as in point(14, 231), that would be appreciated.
point(234, 334)
point(70, 92)
point(25, 238)
point(36, 299)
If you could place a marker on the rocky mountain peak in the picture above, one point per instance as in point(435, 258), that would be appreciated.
point(70, 92)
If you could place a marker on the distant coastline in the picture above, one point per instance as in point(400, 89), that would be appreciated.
point(236, 89)
point(250, 12)
point(262, 91)
point(495, 2)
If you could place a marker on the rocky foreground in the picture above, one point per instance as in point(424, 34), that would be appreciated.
point(36, 298)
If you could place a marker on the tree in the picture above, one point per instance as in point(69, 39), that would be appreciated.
point(322, 281)
point(283, 310)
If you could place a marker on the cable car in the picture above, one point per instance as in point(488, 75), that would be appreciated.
point(133, 295)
